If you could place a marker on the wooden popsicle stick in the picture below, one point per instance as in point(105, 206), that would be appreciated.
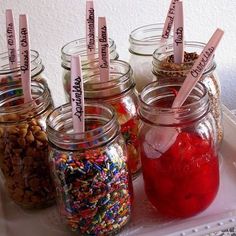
point(11, 40)
point(77, 95)
point(198, 68)
point(103, 49)
point(178, 33)
point(25, 66)
point(90, 30)
point(168, 22)
point(164, 140)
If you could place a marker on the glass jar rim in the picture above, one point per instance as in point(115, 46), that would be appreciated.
point(153, 109)
point(73, 139)
point(78, 46)
point(65, 50)
point(38, 103)
point(163, 50)
point(145, 39)
point(35, 62)
point(120, 82)
point(144, 28)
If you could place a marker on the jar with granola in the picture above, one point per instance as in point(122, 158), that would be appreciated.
point(119, 92)
point(79, 47)
point(166, 70)
point(24, 145)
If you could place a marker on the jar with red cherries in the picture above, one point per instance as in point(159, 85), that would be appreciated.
point(178, 150)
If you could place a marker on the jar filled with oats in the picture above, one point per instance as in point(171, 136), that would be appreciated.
point(79, 47)
point(24, 145)
point(6, 74)
point(143, 42)
point(164, 68)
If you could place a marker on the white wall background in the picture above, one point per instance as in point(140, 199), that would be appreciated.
point(56, 22)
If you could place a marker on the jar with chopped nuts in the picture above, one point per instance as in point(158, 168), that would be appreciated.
point(143, 42)
point(9, 76)
point(166, 71)
point(79, 47)
point(24, 145)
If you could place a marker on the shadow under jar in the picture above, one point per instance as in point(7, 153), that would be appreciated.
point(183, 180)
point(9, 76)
point(119, 92)
point(166, 70)
point(94, 189)
point(79, 47)
point(24, 145)
point(144, 41)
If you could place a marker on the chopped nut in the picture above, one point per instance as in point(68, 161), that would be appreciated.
point(35, 129)
point(29, 137)
point(22, 132)
point(41, 136)
point(21, 142)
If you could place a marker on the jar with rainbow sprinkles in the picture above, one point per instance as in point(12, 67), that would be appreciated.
point(94, 188)
point(119, 92)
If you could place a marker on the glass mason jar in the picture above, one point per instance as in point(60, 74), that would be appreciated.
point(164, 68)
point(118, 92)
point(143, 42)
point(79, 47)
point(6, 74)
point(94, 189)
point(24, 145)
point(183, 180)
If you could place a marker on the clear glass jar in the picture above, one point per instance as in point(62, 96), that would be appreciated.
point(79, 47)
point(6, 74)
point(165, 69)
point(24, 145)
point(143, 42)
point(94, 189)
point(118, 92)
point(183, 180)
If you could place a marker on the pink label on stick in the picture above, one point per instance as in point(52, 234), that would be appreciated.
point(169, 21)
point(77, 95)
point(25, 57)
point(159, 140)
point(198, 68)
point(103, 49)
point(179, 34)
point(11, 39)
point(90, 29)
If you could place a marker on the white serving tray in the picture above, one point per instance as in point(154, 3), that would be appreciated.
point(220, 215)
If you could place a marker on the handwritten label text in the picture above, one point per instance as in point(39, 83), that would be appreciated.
point(205, 59)
point(91, 36)
point(179, 36)
point(104, 47)
point(77, 97)
point(170, 20)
